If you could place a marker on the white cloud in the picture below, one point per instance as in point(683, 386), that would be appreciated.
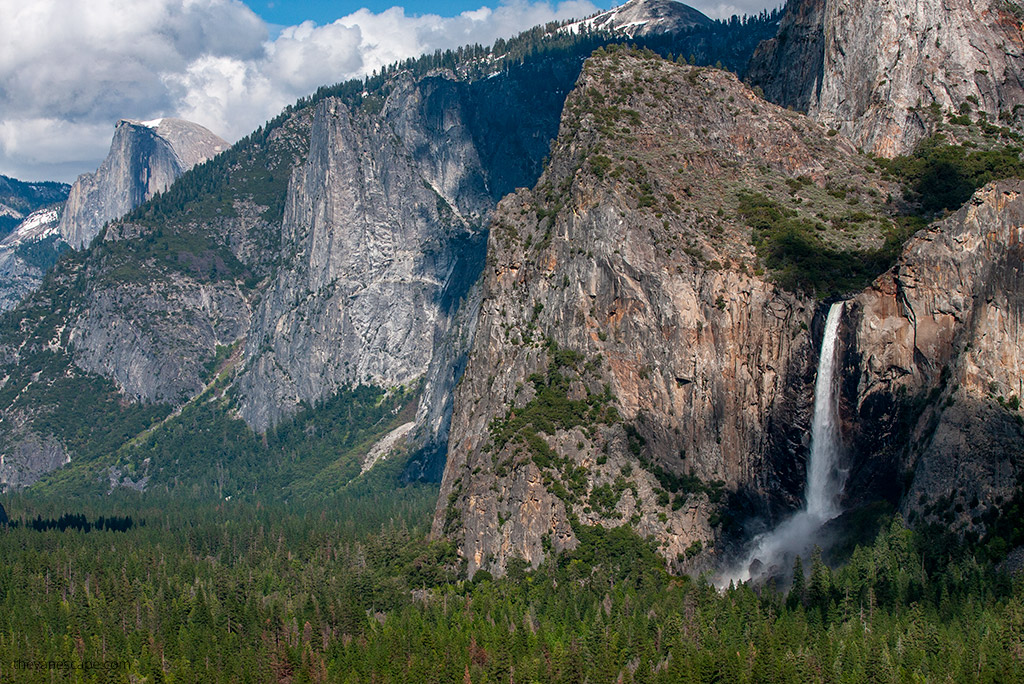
point(70, 69)
point(234, 95)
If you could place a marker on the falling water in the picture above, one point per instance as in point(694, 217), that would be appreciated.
point(773, 551)
point(823, 483)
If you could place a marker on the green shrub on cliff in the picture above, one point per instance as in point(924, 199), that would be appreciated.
point(797, 255)
point(940, 176)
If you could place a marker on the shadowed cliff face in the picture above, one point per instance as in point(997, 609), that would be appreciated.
point(789, 67)
point(624, 280)
point(375, 240)
point(873, 70)
point(936, 359)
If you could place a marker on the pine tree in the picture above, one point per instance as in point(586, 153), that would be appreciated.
point(796, 591)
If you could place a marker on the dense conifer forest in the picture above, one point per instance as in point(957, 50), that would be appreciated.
point(350, 589)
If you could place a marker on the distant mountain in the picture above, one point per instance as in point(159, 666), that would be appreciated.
point(644, 18)
point(145, 157)
point(27, 253)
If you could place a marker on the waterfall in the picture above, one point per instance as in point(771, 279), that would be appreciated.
point(823, 482)
point(773, 552)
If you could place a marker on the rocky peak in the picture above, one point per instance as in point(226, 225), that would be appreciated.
point(145, 157)
point(885, 73)
point(644, 18)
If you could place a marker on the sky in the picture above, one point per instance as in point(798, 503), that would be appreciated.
point(70, 69)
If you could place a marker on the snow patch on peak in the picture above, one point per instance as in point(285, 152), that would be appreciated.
point(641, 18)
point(152, 123)
point(37, 226)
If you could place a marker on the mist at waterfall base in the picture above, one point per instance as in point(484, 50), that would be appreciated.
point(772, 553)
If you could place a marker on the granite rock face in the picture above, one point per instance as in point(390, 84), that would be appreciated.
point(28, 455)
point(145, 157)
point(934, 363)
point(380, 239)
point(884, 73)
point(621, 280)
point(154, 338)
point(384, 236)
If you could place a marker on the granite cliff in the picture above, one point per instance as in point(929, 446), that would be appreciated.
point(933, 367)
point(383, 234)
point(632, 363)
point(886, 73)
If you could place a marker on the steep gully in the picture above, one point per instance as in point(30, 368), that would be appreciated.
point(771, 553)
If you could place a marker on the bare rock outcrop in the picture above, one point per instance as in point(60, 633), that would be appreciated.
point(936, 363)
point(28, 455)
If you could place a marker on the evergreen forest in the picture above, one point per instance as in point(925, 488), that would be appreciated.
point(351, 589)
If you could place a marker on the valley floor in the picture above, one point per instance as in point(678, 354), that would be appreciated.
point(352, 591)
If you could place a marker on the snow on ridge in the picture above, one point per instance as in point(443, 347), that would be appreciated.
point(39, 224)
